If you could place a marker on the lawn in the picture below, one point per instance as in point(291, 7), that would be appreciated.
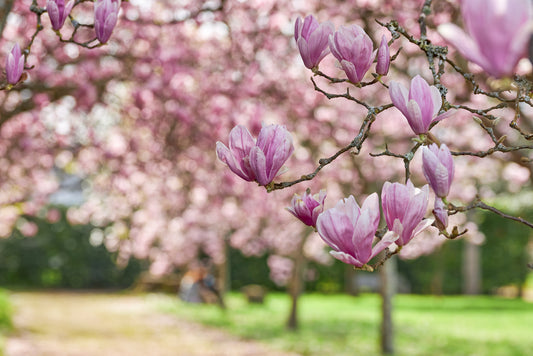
point(344, 325)
point(5, 318)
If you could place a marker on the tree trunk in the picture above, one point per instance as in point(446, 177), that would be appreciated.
point(5, 9)
point(388, 288)
point(296, 285)
point(471, 268)
point(350, 281)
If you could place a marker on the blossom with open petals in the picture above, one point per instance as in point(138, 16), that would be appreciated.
point(354, 50)
point(420, 104)
point(307, 207)
point(312, 39)
point(260, 161)
point(497, 33)
point(404, 207)
point(349, 230)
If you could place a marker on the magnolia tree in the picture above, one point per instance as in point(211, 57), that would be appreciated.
point(496, 106)
point(395, 101)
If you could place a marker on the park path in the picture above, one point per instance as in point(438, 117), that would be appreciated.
point(98, 324)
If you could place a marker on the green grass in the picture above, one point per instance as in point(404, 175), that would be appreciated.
point(343, 325)
point(5, 318)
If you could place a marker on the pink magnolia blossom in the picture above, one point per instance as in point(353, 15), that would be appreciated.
point(14, 65)
point(260, 161)
point(312, 39)
point(307, 207)
point(273, 148)
point(237, 156)
point(438, 168)
point(420, 104)
point(58, 12)
point(349, 230)
point(497, 33)
point(354, 50)
point(383, 60)
point(105, 18)
point(404, 207)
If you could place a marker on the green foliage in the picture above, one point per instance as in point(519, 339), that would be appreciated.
point(504, 259)
point(247, 270)
point(506, 252)
point(343, 325)
point(61, 256)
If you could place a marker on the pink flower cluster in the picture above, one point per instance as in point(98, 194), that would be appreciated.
point(351, 46)
point(350, 230)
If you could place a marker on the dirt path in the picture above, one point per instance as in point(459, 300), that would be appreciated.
point(90, 324)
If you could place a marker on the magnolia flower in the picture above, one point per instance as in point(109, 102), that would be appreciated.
point(383, 61)
point(14, 65)
point(237, 157)
point(349, 230)
point(273, 148)
point(105, 18)
point(260, 161)
point(420, 104)
point(440, 213)
point(312, 39)
point(354, 50)
point(497, 33)
point(438, 168)
point(58, 12)
point(307, 207)
point(404, 207)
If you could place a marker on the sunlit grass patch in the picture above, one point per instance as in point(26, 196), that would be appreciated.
point(345, 325)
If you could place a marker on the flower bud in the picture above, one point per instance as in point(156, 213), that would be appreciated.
point(105, 18)
point(441, 214)
point(14, 65)
point(383, 61)
point(438, 168)
point(307, 207)
point(58, 12)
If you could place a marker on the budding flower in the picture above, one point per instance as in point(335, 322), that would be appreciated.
point(312, 39)
point(58, 12)
point(404, 207)
point(441, 214)
point(420, 104)
point(354, 50)
point(350, 230)
point(105, 18)
point(383, 61)
point(497, 33)
point(14, 65)
point(438, 168)
point(308, 207)
point(260, 161)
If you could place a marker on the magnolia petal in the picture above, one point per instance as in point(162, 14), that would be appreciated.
point(346, 258)
point(385, 242)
